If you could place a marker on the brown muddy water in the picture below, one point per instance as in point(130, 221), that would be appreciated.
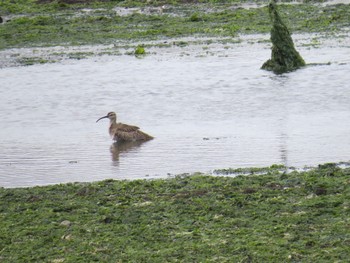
point(208, 107)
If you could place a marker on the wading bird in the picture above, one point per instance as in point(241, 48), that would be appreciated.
point(121, 132)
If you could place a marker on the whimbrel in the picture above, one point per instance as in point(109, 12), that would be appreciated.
point(123, 132)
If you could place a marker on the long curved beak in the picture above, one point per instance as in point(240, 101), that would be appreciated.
point(102, 118)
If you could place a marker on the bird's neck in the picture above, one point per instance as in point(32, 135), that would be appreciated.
point(112, 124)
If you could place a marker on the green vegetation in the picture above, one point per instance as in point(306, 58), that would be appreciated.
point(195, 17)
point(30, 24)
point(284, 56)
point(33, 60)
point(252, 170)
point(140, 50)
point(274, 217)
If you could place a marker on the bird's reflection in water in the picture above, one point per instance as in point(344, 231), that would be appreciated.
point(123, 147)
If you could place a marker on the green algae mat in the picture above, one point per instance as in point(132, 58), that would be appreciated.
point(272, 217)
point(284, 56)
point(29, 23)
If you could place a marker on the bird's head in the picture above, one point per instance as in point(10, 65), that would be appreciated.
point(111, 116)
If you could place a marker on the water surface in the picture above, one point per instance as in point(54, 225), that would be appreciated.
point(209, 107)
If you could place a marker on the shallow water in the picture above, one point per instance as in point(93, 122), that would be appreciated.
point(208, 107)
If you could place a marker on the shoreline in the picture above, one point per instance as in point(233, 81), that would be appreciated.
point(191, 46)
point(222, 172)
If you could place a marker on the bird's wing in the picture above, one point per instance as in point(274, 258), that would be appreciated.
point(122, 136)
point(126, 128)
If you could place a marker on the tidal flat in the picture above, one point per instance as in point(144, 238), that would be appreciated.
point(301, 216)
point(56, 23)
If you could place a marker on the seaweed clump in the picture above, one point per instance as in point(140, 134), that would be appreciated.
point(284, 57)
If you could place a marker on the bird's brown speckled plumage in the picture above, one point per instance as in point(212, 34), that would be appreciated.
point(124, 132)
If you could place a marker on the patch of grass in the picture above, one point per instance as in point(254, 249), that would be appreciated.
point(275, 217)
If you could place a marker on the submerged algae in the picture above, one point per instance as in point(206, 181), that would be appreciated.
point(284, 56)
